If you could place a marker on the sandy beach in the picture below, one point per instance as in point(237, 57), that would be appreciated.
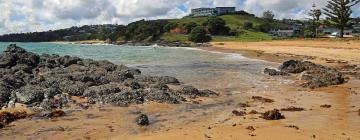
point(319, 51)
point(213, 118)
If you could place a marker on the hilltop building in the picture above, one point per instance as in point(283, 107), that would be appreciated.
point(200, 12)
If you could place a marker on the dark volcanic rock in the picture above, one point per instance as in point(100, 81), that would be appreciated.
point(29, 94)
point(273, 115)
point(292, 109)
point(316, 75)
point(125, 98)
point(4, 95)
point(239, 113)
point(142, 120)
point(262, 99)
point(273, 72)
point(48, 82)
point(158, 79)
point(292, 66)
point(164, 96)
point(322, 77)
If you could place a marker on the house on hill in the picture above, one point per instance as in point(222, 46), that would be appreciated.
point(200, 12)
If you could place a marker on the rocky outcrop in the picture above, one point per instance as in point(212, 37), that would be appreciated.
point(48, 82)
point(273, 115)
point(274, 72)
point(316, 76)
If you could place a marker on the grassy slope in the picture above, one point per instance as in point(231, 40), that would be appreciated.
point(235, 22)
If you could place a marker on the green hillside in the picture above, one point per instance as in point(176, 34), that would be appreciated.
point(152, 30)
point(235, 22)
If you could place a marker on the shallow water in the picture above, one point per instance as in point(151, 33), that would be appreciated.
point(191, 66)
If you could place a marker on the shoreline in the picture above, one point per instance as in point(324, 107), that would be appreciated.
point(339, 121)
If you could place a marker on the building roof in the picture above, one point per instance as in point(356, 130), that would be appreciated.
point(225, 7)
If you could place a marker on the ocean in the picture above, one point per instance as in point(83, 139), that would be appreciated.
point(204, 69)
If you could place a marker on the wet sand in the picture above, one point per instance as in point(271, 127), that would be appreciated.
point(212, 118)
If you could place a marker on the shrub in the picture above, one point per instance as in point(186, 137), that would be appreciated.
point(189, 26)
point(217, 26)
point(248, 25)
point(170, 26)
point(199, 35)
point(309, 34)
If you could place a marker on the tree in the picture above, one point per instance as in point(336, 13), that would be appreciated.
point(217, 26)
point(315, 15)
point(170, 26)
point(264, 27)
point(269, 15)
point(248, 25)
point(199, 35)
point(189, 26)
point(117, 33)
point(339, 12)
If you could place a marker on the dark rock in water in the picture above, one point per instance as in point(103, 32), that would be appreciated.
point(142, 120)
point(273, 115)
point(14, 55)
point(158, 79)
point(322, 77)
point(46, 82)
point(262, 99)
point(168, 80)
point(316, 75)
point(293, 109)
point(12, 48)
point(190, 91)
point(251, 128)
point(52, 114)
point(239, 113)
point(292, 66)
point(125, 98)
point(273, 72)
point(164, 96)
point(207, 93)
point(326, 106)
point(193, 92)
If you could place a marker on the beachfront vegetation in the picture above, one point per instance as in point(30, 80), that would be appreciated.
point(228, 27)
point(217, 26)
point(199, 35)
point(339, 12)
point(145, 30)
point(315, 21)
point(269, 15)
point(248, 25)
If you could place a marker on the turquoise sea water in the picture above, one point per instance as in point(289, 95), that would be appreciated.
point(192, 66)
point(117, 54)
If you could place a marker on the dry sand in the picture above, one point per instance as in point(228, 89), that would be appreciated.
point(320, 51)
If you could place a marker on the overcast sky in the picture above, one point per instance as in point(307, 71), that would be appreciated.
point(39, 15)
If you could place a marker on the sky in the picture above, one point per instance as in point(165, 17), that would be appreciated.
point(18, 16)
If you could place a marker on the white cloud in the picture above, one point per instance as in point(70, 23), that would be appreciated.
point(39, 15)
